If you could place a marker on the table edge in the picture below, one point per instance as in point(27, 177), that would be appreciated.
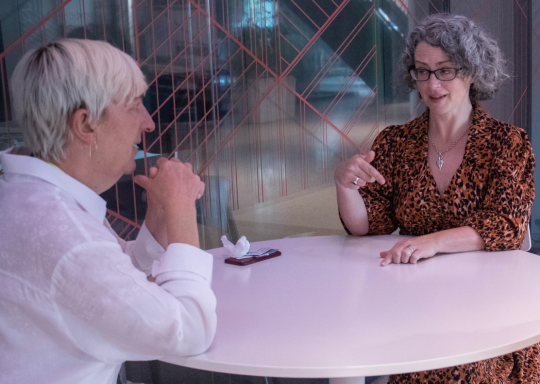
point(358, 371)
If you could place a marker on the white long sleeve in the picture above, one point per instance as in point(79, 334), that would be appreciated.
point(74, 300)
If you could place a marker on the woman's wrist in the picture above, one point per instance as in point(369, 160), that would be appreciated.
point(182, 226)
point(460, 239)
point(437, 241)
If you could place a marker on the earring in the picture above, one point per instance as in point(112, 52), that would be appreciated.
point(90, 148)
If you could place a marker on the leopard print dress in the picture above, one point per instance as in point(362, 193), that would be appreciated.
point(492, 191)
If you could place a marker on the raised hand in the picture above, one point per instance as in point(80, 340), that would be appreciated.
point(357, 172)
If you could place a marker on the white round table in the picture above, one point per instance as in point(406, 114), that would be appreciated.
point(326, 309)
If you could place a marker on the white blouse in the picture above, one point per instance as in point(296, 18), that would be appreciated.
point(74, 298)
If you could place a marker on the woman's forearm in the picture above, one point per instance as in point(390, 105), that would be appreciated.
point(352, 210)
point(461, 239)
point(349, 176)
point(182, 226)
point(156, 222)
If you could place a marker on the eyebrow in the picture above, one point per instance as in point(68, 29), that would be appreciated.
point(439, 63)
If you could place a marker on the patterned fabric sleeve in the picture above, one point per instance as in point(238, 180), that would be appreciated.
point(503, 219)
point(378, 198)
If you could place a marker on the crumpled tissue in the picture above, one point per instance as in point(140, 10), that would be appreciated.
point(238, 250)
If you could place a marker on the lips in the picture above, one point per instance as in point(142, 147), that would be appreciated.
point(436, 99)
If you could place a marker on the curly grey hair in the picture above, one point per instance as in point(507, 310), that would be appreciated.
point(467, 45)
point(54, 81)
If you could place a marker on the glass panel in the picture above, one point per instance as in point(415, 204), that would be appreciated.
point(266, 97)
point(535, 110)
point(55, 28)
point(35, 40)
point(75, 26)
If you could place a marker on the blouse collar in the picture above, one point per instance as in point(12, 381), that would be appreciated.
point(30, 166)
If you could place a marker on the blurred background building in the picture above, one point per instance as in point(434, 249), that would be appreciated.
point(266, 97)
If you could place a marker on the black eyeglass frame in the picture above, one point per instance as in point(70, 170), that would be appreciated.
point(435, 73)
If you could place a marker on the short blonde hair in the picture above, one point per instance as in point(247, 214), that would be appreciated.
point(52, 82)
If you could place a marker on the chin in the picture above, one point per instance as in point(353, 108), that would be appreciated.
point(130, 168)
point(439, 109)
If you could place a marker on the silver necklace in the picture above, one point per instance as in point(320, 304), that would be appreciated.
point(440, 161)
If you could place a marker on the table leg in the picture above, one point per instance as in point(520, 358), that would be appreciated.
point(348, 380)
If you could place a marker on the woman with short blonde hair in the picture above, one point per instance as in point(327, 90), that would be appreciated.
point(76, 300)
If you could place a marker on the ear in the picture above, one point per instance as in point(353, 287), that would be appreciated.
point(81, 129)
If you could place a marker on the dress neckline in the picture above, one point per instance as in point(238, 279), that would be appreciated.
point(479, 116)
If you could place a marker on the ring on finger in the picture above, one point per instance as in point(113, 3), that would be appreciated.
point(411, 248)
point(356, 181)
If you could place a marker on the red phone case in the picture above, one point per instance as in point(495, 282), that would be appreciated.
point(251, 260)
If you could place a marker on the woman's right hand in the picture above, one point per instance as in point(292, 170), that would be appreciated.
point(357, 172)
point(172, 184)
point(172, 189)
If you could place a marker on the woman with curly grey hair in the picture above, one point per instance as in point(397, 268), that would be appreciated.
point(455, 178)
point(467, 46)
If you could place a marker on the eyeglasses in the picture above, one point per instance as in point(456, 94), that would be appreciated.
point(443, 74)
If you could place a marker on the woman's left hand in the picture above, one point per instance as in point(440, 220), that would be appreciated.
point(461, 239)
point(156, 215)
point(410, 250)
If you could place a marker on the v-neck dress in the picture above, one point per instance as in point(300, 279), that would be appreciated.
point(492, 191)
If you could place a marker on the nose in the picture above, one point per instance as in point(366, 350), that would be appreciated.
point(433, 82)
point(148, 123)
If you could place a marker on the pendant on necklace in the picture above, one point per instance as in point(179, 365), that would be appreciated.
point(440, 161)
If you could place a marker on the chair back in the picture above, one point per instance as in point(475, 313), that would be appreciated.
point(214, 210)
point(527, 243)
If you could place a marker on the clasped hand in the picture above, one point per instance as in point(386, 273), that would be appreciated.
point(171, 184)
point(172, 189)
